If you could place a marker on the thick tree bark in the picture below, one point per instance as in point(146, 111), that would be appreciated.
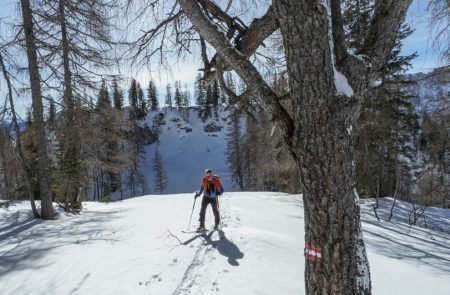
point(38, 112)
point(22, 159)
point(336, 261)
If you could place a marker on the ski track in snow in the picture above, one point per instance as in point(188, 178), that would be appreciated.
point(137, 247)
point(196, 274)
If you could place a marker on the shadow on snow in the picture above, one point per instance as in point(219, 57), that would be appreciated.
point(26, 243)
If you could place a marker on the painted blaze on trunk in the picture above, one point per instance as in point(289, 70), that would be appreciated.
point(336, 259)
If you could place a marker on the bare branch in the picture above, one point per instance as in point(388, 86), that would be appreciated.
point(388, 16)
point(249, 40)
point(240, 63)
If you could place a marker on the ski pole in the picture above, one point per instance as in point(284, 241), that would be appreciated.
point(190, 219)
point(218, 208)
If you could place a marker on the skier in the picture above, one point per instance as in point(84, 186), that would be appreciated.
point(212, 188)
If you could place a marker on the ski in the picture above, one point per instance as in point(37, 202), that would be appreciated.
point(194, 231)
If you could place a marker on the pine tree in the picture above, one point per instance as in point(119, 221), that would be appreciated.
point(156, 126)
point(51, 120)
point(107, 160)
point(386, 123)
point(234, 146)
point(215, 97)
point(178, 95)
point(200, 95)
point(186, 97)
point(30, 151)
point(117, 95)
point(133, 100)
point(28, 119)
point(168, 96)
point(208, 102)
point(152, 96)
point(103, 101)
point(141, 104)
point(160, 173)
point(135, 139)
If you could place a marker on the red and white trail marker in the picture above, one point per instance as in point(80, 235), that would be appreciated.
point(313, 252)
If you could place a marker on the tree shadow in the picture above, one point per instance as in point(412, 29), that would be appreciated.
point(399, 240)
point(25, 243)
point(225, 247)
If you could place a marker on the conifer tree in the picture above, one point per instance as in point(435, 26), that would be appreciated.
point(186, 96)
point(141, 104)
point(200, 96)
point(159, 172)
point(215, 97)
point(234, 148)
point(168, 100)
point(387, 121)
point(199, 92)
point(117, 95)
point(103, 101)
point(51, 120)
point(178, 95)
point(133, 100)
point(152, 96)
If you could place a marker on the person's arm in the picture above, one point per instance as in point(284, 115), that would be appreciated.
point(202, 189)
point(220, 187)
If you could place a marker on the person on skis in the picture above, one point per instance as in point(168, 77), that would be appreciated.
point(212, 188)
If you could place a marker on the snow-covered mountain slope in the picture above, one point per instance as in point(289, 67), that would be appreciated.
point(431, 91)
point(187, 150)
point(137, 247)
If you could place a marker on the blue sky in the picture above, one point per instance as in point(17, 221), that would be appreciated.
point(186, 71)
point(420, 41)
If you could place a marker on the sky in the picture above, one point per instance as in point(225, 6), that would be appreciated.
point(420, 41)
point(186, 70)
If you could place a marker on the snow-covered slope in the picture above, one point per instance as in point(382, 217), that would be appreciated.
point(431, 91)
point(137, 247)
point(187, 150)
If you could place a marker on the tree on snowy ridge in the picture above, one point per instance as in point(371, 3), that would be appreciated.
point(178, 96)
point(168, 100)
point(152, 96)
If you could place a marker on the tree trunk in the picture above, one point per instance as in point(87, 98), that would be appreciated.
point(71, 138)
point(38, 112)
point(336, 257)
point(22, 159)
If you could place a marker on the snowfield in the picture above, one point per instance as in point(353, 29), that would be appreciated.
point(137, 247)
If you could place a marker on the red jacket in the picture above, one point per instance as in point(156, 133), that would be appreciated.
point(211, 186)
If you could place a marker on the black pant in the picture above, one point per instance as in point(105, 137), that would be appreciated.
point(205, 202)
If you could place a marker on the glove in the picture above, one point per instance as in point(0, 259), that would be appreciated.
point(196, 195)
point(219, 193)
